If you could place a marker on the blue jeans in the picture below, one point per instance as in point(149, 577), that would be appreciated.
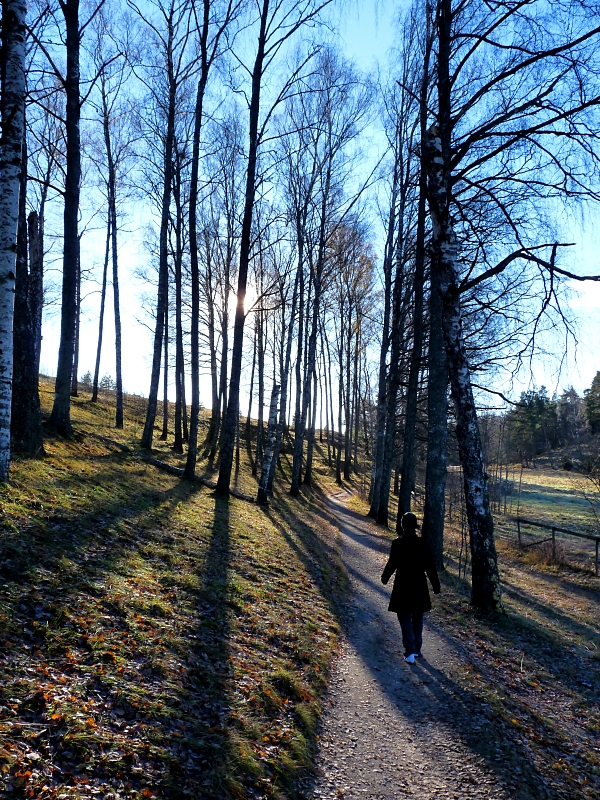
point(412, 632)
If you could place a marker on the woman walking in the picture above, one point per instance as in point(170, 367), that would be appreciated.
point(410, 559)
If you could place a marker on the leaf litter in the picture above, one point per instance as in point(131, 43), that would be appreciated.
point(156, 641)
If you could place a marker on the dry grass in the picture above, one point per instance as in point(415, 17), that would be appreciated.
point(156, 641)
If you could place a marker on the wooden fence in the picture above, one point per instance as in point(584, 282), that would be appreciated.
point(522, 524)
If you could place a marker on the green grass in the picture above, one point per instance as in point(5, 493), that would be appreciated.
point(552, 496)
point(157, 641)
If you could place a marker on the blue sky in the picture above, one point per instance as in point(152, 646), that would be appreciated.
point(366, 29)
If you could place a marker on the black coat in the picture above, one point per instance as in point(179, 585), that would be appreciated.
point(410, 559)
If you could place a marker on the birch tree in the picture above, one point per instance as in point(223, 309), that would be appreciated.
point(169, 69)
point(277, 23)
point(518, 156)
point(11, 151)
point(216, 19)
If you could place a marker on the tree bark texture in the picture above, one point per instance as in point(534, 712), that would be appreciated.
point(178, 259)
point(262, 497)
point(11, 153)
point(35, 227)
point(26, 414)
point(437, 428)
point(485, 589)
point(412, 393)
point(60, 418)
point(75, 367)
point(165, 409)
point(231, 420)
point(399, 310)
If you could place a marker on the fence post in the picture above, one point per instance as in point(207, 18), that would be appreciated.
point(519, 532)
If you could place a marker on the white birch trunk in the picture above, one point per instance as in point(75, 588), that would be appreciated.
point(485, 589)
point(13, 95)
point(262, 497)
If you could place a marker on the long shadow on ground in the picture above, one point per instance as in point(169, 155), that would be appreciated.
point(433, 693)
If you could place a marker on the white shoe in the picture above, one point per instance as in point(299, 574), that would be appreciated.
point(410, 659)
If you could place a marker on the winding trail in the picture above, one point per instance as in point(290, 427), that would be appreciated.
point(391, 730)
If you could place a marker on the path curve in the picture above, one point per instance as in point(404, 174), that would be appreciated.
point(391, 730)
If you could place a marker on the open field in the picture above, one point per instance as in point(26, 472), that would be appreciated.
point(545, 495)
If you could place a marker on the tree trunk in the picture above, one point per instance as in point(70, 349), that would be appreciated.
point(310, 442)
point(75, 370)
point(320, 380)
point(231, 420)
point(11, 153)
point(338, 460)
point(437, 429)
point(312, 340)
point(26, 415)
point(35, 224)
point(347, 404)
point(330, 396)
point(165, 427)
point(184, 416)
point(261, 389)
point(251, 390)
point(213, 428)
point(485, 590)
point(281, 424)
point(412, 394)
point(356, 398)
point(409, 460)
point(300, 346)
point(101, 320)
point(178, 439)
point(112, 205)
point(395, 370)
point(60, 418)
point(190, 466)
point(262, 497)
point(163, 274)
point(382, 391)
point(220, 433)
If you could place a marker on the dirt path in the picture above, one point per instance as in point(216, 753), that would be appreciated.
point(393, 730)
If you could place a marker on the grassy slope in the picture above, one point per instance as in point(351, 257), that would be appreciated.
point(156, 641)
point(554, 496)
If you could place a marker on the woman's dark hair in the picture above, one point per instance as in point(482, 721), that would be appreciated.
point(409, 522)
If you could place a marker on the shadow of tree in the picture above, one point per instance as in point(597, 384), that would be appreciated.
point(480, 719)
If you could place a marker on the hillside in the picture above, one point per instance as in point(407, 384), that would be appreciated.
point(156, 641)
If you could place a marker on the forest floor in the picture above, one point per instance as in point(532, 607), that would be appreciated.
point(158, 642)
